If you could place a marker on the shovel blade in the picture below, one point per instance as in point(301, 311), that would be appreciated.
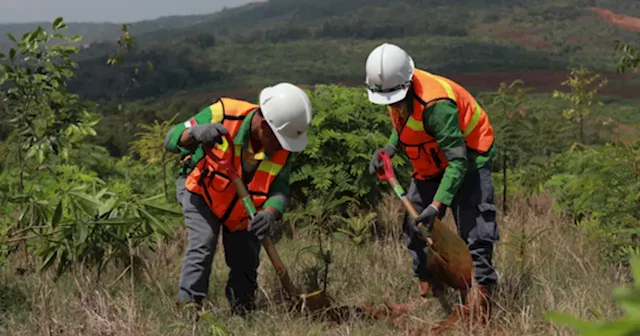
point(449, 257)
point(313, 302)
point(317, 302)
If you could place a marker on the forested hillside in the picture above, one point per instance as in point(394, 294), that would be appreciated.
point(302, 41)
point(92, 236)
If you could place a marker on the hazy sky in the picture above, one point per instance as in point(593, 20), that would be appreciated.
point(106, 10)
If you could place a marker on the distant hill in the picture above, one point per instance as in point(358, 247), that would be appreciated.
point(100, 31)
point(310, 41)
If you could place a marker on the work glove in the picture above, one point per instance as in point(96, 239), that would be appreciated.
point(376, 163)
point(261, 224)
point(427, 217)
point(208, 133)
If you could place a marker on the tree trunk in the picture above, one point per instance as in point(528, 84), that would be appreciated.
point(504, 184)
point(20, 167)
point(582, 129)
point(164, 179)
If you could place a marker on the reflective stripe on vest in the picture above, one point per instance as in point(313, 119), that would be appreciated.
point(214, 185)
point(426, 158)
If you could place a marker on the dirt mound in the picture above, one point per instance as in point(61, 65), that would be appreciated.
point(621, 20)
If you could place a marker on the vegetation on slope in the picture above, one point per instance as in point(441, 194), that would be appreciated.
point(84, 234)
point(327, 42)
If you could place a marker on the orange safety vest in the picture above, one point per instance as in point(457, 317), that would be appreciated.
point(427, 159)
point(215, 186)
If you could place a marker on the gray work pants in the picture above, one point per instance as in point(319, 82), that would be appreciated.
point(475, 216)
point(242, 250)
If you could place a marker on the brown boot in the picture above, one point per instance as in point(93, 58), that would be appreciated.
point(474, 312)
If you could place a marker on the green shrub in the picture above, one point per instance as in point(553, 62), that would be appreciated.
point(346, 130)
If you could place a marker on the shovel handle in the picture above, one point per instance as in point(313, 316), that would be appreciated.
point(386, 173)
point(227, 164)
point(267, 243)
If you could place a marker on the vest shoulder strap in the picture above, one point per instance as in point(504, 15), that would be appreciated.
point(217, 112)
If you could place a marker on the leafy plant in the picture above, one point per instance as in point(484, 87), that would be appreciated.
point(149, 146)
point(630, 57)
point(357, 226)
point(345, 131)
point(124, 45)
point(45, 118)
point(215, 328)
point(583, 99)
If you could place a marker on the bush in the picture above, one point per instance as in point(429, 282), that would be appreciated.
point(346, 130)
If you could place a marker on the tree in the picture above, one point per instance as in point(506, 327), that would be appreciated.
point(582, 98)
point(44, 117)
point(65, 214)
point(509, 126)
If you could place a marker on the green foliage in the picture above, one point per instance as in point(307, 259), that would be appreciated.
point(599, 188)
point(357, 226)
point(55, 201)
point(345, 131)
point(215, 328)
point(150, 146)
point(508, 100)
point(583, 99)
point(630, 57)
point(44, 118)
point(628, 297)
point(125, 45)
point(294, 40)
point(598, 182)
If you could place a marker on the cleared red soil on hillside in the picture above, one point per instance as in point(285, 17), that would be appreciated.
point(524, 38)
point(621, 20)
point(539, 80)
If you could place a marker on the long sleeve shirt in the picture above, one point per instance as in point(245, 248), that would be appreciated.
point(441, 119)
point(279, 191)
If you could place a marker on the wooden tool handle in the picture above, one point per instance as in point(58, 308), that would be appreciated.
point(409, 206)
point(241, 190)
point(277, 263)
point(267, 243)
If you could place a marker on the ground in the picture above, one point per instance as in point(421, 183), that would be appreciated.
point(557, 270)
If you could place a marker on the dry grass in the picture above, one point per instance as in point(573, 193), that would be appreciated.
point(560, 271)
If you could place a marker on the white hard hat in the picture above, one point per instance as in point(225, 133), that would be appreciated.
point(287, 110)
point(388, 74)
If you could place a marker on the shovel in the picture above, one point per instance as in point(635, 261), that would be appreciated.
point(313, 301)
point(449, 258)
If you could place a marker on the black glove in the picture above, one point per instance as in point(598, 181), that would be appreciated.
point(208, 133)
point(376, 163)
point(427, 218)
point(262, 223)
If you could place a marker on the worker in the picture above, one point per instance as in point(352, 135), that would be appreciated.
point(449, 140)
point(264, 136)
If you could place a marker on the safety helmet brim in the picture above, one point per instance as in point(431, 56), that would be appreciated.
point(296, 144)
point(387, 98)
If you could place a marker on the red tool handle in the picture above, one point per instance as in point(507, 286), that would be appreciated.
point(226, 162)
point(386, 172)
